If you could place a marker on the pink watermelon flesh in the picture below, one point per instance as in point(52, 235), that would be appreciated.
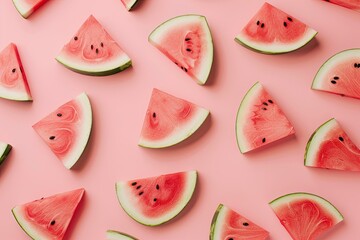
point(305, 216)
point(228, 224)
point(260, 120)
point(27, 7)
point(13, 83)
point(67, 129)
point(186, 41)
point(48, 218)
point(93, 51)
point(169, 120)
point(351, 4)
point(331, 148)
point(129, 4)
point(340, 74)
point(274, 31)
point(155, 200)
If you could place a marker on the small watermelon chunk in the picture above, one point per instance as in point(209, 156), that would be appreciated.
point(13, 83)
point(186, 40)
point(273, 31)
point(169, 120)
point(228, 224)
point(260, 120)
point(115, 235)
point(155, 200)
point(92, 51)
point(27, 7)
point(330, 147)
point(340, 74)
point(48, 218)
point(305, 215)
point(129, 4)
point(351, 4)
point(4, 151)
point(67, 129)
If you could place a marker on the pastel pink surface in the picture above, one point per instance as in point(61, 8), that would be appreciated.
point(246, 183)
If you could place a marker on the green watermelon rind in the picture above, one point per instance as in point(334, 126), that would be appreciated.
point(313, 143)
point(328, 64)
point(209, 41)
point(311, 34)
point(5, 152)
point(285, 199)
point(116, 235)
point(193, 176)
point(131, 5)
point(214, 221)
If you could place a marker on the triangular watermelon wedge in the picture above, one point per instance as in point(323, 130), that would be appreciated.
point(92, 51)
point(340, 74)
point(350, 4)
point(28, 7)
point(4, 151)
point(273, 31)
point(260, 120)
point(186, 40)
point(129, 4)
point(67, 129)
point(48, 218)
point(13, 83)
point(115, 235)
point(170, 120)
point(228, 224)
point(330, 147)
point(155, 200)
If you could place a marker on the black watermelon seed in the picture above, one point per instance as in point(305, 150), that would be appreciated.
point(264, 140)
point(185, 69)
point(245, 224)
point(157, 186)
point(341, 139)
point(176, 63)
point(230, 239)
point(134, 183)
point(290, 19)
point(141, 193)
point(188, 49)
point(265, 103)
point(59, 115)
point(75, 38)
point(154, 114)
point(285, 24)
point(264, 109)
point(333, 81)
point(52, 137)
point(355, 65)
point(336, 78)
point(155, 199)
point(97, 51)
point(13, 70)
point(102, 44)
point(52, 222)
point(187, 39)
point(258, 23)
point(262, 25)
point(182, 67)
point(138, 187)
point(92, 47)
point(270, 101)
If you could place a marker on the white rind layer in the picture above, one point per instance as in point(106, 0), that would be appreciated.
point(115, 235)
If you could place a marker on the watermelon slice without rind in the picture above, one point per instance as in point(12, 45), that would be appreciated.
point(273, 31)
point(92, 51)
point(156, 200)
point(330, 147)
point(260, 120)
point(28, 7)
point(129, 4)
point(115, 235)
point(4, 151)
point(67, 129)
point(13, 83)
point(186, 40)
point(351, 4)
point(48, 218)
point(170, 120)
point(340, 74)
point(305, 215)
point(228, 224)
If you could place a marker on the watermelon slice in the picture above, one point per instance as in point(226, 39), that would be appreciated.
point(129, 4)
point(92, 51)
point(48, 218)
point(260, 120)
point(330, 147)
point(186, 40)
point(340, 74)
point(4, 151)
point(13, 83)
point(305, 215)
point(67, 129)
point(273, 31)
point(115, 235)
point(27, 7)
point(228, 224)
point(351, 4)
point(170, 120)
point(155, 200)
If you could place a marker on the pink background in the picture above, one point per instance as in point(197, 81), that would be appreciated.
point(245, 183)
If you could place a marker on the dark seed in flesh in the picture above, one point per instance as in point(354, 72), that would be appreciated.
point(188, 49)
point(264, 109)
point(336, 78)
point(270, 101)
point(14, 70)
point(264, 140)
point(258, 23)
point(141, 193)
point(75, 38)
point(92, 47)
point(333, 81)
point(285, 24)
point(341, 139)
point(154, 115)
point(290, 19)
point(155, 199)
point(59, 115)
point(265, 103)
point(52, 137)
point(187, 39)
point(245, 224)
point(138, 187)
point(134, 183)
point(52, 222)
point(262, 25)
point(157, 186)
point(101, 44)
